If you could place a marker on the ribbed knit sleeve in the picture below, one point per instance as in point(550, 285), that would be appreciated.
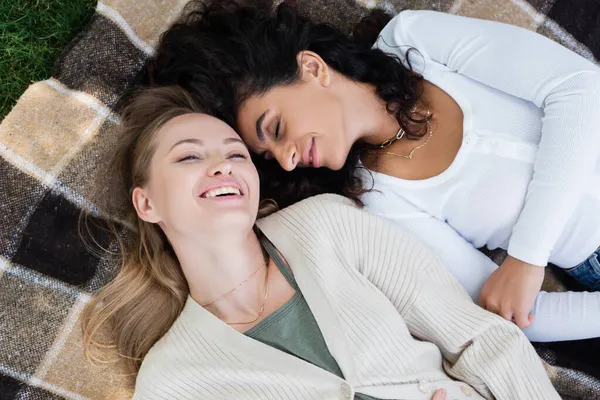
point(480, 348)
point(529, 66)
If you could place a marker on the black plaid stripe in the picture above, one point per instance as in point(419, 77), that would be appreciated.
point(13, 389)
point(9, 387)
point(564, 40)
point(19, 195)
point(107, 269)
point(570, 383)
point(581, 355)
point(101, 61)
point(36, 393)
point(51, 242)
point(84, 174)
point(542, 6)
point(581, 18)
point(345, 13)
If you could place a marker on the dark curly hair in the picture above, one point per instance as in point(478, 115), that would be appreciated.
point(237, 51)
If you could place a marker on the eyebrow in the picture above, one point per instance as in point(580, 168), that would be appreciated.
point(232, 140)
point(259, 131)
point(199, 142)
point(191, 140)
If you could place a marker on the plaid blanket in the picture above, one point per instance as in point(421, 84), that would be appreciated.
point(54, 143)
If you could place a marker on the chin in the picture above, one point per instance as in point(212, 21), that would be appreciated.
point(335, 166)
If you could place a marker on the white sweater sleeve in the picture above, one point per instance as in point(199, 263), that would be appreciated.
point(470, 267)
point(529, 66)
point(558, 316)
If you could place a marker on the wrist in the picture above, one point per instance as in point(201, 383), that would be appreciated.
point(514, 263)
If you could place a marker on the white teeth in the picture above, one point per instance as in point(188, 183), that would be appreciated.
point(220, 191)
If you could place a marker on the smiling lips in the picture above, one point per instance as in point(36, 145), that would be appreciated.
point(310, 158)
point(222, 190)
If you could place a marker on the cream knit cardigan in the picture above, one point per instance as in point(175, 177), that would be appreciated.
point(371, 287)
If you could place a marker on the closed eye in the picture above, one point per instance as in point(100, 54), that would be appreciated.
point(190, 157)
point(277, 129)
point(238, 155)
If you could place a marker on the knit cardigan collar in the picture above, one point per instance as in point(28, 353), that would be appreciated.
point(198, 319)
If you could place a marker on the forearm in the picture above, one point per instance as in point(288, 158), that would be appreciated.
point(480, 348)
point(501, 362)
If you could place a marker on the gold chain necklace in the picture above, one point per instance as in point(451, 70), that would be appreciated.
point(235, 288)
point(262, 308)
point(399, 136)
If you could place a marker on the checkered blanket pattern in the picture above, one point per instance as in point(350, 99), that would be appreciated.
point(53, 146)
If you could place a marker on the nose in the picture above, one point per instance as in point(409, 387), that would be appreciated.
point(221, 166)
point(287, 156)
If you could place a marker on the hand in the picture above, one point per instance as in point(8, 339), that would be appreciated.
point(511, 291)
point(439, 395)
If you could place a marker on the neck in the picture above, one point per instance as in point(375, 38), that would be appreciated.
point(370, 111)
point(213, 267)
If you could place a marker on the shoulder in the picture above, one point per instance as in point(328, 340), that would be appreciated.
point(332, 218)
point(153, 377)
point(404, 18)
point(406, 28)
point(326, 201)
point(165, 359)
point(315, 224)
point(325, 208)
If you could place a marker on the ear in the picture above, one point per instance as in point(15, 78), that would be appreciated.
point(143, 206)
point(312, 67)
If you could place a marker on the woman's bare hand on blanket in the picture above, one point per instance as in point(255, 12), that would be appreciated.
point(511, 291)
point(439, 395)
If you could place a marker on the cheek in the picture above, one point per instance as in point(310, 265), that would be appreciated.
point(253, 180)
point(330, 115)
point(337, 142)
point(174, 192)
point(329, 112)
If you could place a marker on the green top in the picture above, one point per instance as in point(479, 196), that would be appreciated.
point(293, 328)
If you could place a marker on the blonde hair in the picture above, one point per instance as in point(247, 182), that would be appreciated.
point(132, 312)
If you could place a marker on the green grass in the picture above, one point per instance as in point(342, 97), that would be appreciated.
point(32, 35)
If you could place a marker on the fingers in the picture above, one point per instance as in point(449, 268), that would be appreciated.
point(439, 395)
point(484, 299)
point(522, 319)
point(483, 302)
point(507, 314)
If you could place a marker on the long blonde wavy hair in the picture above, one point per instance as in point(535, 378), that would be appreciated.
point(132, 312)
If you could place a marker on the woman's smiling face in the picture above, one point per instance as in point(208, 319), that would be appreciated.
point(303, 124)
point(201, 180)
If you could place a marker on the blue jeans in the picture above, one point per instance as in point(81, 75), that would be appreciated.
point(588, 272)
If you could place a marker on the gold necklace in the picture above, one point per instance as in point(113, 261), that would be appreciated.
point(235, 288)
point(409, 156)
point(262, 308)
point(399, 135)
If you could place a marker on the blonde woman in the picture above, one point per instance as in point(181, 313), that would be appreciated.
point(318, 301)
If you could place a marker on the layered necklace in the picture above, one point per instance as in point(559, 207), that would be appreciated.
point(399, 135)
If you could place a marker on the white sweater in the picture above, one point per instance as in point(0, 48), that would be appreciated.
point(370, 286)
point(527, 175)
